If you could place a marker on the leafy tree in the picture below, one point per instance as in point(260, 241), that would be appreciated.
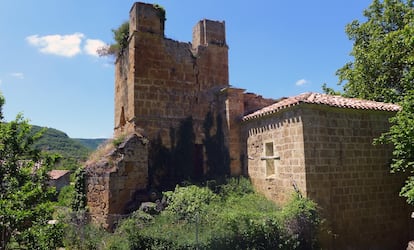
point(24, 194)
point(383, 52)
point(401, 135)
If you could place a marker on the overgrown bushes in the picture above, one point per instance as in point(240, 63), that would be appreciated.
point(233, 217)
point(214, 216)
point(188, 203)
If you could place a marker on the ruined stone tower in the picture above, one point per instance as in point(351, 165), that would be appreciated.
point(159, 82)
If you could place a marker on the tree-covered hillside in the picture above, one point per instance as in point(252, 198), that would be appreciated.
point(92, 144)
point(56, 141)
point(71, 151)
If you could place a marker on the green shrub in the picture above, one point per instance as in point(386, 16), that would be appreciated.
point(66, 196)
point(197, 219)
point(117, 242)
point(85, 237)
point(43, 236)
point(117, 141)
point(301, 220)
point(189, 202)
point(248, 221)
point(127, 232)
point(79, 195)
point(236, 187)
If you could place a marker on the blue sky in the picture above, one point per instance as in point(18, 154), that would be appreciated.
point(49, 70)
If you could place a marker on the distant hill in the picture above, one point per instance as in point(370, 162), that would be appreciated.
point(54, 140)
point(91, 143)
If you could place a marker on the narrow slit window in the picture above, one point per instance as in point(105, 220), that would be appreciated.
point(270, 161)
point(122, 120)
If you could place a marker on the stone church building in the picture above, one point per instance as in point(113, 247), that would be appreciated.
point(318, 144)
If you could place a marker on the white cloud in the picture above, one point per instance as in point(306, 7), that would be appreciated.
point(1, 81)
point(92, 45)
point(61, 45)
point(17, 75)
point(301, 82)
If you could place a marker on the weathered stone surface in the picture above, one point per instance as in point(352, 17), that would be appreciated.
point(113, 180)
point(159, 82)
point(327, 152)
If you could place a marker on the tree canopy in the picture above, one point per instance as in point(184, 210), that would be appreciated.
point(24, 194)
point(401, 135)
point(383, 51)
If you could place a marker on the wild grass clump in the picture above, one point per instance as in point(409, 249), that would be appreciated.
point(102, 151)
point(105, 149)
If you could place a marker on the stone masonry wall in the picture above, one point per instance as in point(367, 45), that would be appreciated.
point(328, 154)
point(350, 178)
point(164, 81)
point(286, 133)
point(234, 111)
point(114, 179)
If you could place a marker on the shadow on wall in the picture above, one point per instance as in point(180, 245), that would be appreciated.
point(184, 159)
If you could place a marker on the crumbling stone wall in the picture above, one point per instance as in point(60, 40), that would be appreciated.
point(327, 154)
point(114, 179)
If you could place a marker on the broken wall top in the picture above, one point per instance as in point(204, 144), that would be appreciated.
point(151, 18)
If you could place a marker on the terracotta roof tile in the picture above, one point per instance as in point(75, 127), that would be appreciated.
point(323, 99)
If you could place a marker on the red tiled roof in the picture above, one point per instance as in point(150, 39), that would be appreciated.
point(56, 174)
point(323, 99)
